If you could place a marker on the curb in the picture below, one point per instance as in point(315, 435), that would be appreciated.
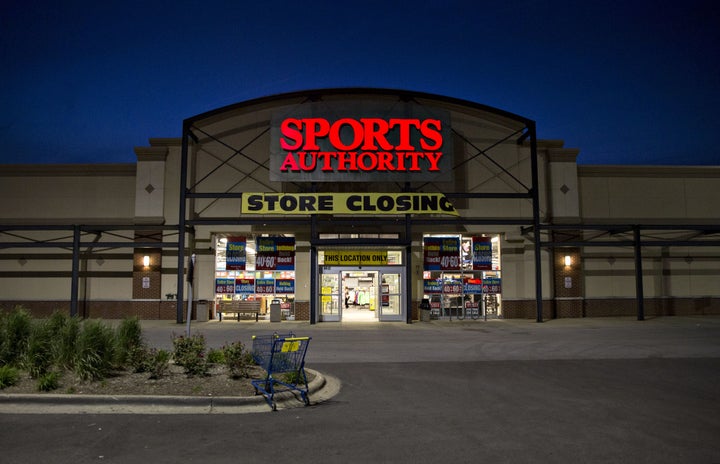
point(156, 404)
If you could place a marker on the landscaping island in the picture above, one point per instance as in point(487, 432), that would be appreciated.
point(66, 355)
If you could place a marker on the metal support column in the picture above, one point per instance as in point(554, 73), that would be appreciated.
point(536, 221)
point(181, 227)
point(408, 266)
point(75, 283)
point(314, 271)
point(639, 293)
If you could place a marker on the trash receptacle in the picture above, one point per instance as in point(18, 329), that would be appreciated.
point(202, 311)
point(275, 314)
point(425, 310)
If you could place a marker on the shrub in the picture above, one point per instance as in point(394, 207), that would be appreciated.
point(129, 339)
point(66, 331)
point(189, 352)
point(158, 363)
point(95, 351)
point(48, 381)
point(237, 359)
point(15, 328)
point(39, 357)
point(138, 359)
point(215, 356)
point(293, 378)
point(9, 376)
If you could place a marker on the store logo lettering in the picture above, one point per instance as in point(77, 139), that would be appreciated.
point(367, 147)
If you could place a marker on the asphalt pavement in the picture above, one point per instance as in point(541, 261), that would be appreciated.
point(569, 390)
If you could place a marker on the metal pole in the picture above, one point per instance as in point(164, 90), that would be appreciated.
point(536, 220)
point(313, 284)
point(75, 280)
point(408, 283)
point(181, 228)
point(639, 293)
point(408, 266)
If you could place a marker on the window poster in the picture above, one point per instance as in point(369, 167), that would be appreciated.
point(236, 254)
point(285, 286)
point(275, 254)
point(441, 253)
point(266, 286)
point(245, 286)
point(224, 286)
point(492, 285)
point(482, 254)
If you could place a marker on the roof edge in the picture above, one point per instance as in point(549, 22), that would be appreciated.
point(315, 93)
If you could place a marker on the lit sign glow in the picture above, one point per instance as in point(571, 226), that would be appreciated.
point(335, 141)
point(367, 147)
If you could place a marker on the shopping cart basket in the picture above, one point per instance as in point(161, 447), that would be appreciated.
point(279, 354)
point(262, 346)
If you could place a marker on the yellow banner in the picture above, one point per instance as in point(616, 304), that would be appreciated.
point(347, 203)
point(355, 258)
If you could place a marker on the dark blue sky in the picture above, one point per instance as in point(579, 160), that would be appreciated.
point(626, 82)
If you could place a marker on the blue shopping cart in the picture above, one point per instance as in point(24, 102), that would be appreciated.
point(281, 354)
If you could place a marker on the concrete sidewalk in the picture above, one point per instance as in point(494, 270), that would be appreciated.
point(492, 340)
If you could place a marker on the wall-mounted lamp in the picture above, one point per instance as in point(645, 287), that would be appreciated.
point(568, 261)
point(146, 261)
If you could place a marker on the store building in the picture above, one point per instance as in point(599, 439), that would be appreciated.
point(360, 205)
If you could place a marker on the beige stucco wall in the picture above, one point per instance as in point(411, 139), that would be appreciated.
point(64, 194)
point(665, 194)
point(647, 195)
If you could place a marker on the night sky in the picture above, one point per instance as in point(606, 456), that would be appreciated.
point(626, 82)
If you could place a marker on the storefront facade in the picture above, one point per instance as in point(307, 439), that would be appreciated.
point(360, 205)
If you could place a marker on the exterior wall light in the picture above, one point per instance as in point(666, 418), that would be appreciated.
point(568, 261)
point(146, 261)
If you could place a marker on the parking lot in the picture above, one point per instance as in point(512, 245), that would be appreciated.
point(571, 390)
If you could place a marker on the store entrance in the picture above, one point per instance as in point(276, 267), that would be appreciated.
point(360, 294)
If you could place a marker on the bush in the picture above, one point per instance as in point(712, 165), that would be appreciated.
point(158, 363)
point(237, 359)
point(9, 376)
point(293, 378)
point(138, 359)
point(66, 331)
point(129, 339)
point(15, 328)
point(215, 356)
point(189, 352)
point(95, 351)
point(39, 356)
point(49, 381)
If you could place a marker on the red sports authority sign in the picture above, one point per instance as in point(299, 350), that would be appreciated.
point(352, 142)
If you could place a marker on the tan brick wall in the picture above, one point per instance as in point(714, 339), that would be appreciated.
point(526, 309)
point(561, 273)
point(415, 310)
point(302, 310)
point(147, 281)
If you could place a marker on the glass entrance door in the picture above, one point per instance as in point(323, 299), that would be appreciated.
point(330, 309)
point(391, 296)
point(362, 294)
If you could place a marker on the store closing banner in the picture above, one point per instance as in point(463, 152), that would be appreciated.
point(347, 203)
